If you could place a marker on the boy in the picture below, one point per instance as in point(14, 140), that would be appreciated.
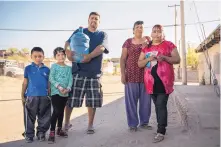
point(37, 103)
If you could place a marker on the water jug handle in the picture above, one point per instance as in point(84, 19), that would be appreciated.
point(81, 29)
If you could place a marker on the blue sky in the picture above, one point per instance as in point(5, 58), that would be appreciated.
point(114, 15)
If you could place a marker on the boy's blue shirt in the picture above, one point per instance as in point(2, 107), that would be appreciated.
point(38, 78)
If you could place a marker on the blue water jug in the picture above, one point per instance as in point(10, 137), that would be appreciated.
point(148, 65)
point(79, 45)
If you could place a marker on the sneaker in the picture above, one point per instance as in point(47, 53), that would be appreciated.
point(23, 134)
point(41, 137)
point(62, 133)
point(133, 129)
point(51, 138)
point(146, 126)
point(29, 139)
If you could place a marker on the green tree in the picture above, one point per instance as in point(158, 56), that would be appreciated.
point(25, 50)
point(12, 50)
point(192, 58)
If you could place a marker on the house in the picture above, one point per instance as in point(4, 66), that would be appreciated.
point(115, 60)
point(49, 61)
point(2, 53)
point(209, 49)
point(111, 66)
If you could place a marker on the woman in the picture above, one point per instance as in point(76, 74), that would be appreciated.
point(132, 78)
point(159, 76)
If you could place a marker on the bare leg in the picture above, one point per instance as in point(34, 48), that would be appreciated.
point(68, 112)
point(91, 114)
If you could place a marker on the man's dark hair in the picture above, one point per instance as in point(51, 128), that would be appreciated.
point(37, 49)
point(94, 13)
point(58, 50)
point(138, 23)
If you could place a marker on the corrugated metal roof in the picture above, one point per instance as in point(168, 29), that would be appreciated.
point(211, 40)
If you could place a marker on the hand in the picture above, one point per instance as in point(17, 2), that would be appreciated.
point(86, 59)
point(161, 58)
point(23, 100)
point(123, 79)
point(151, 58)
point(70, 54)
point(62, 91)
point(66, 91)
point(145, 44)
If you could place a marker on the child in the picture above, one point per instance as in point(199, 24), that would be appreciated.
point(61, 83)
point(37, 103)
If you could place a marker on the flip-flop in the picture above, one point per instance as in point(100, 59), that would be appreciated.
point(67, 127)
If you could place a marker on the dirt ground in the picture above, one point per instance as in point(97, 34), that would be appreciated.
point(110, 121)
point(11, 112)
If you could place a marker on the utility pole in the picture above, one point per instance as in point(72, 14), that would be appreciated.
point(175, 26)
point(175, 21)
point(183, 49)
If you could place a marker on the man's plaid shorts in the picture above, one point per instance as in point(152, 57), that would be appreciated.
point(90, 88)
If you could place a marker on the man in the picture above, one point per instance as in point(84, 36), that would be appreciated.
point(86, 75)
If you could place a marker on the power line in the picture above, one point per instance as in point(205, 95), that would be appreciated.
point(206, 54)
point(116, 29)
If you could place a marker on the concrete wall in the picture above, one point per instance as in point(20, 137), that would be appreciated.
point(203, 69)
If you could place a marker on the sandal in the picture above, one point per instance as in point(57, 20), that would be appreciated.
point(158, 138)
point(90, 130)
point(67, 127)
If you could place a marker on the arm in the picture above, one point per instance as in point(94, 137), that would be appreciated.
point(70, 80)
point(147, 38)
point(67, 45)
point(97, 51)
point(24, 84)
point(68, 51)
point(142, 62)
point(24, 87)
point(49, 88)
point(52, 77)
point(103, 48)
point(123, 60)
point(100, 49)
point(174, 59)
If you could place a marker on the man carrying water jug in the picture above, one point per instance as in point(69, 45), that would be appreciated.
point(86, 72)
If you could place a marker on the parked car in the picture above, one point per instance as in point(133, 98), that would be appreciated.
point(10, 68)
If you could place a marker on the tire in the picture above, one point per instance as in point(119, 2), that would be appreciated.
point(9, 74)
point(1, 72)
